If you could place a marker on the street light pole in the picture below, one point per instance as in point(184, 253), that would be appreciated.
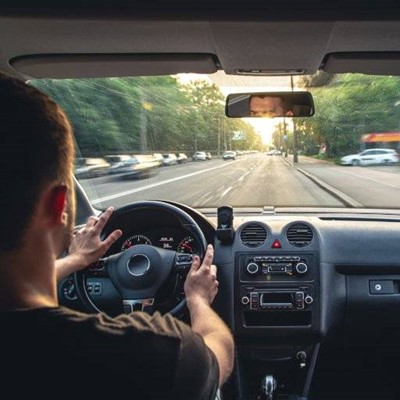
point(218, 137)
point(295, 138)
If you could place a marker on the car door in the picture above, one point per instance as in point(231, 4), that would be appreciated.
point(368, 157)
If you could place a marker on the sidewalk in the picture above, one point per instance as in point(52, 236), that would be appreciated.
point(309, 161)
point(304, 161)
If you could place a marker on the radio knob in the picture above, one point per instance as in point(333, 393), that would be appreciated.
point(301, 268)
point(308, 300)
point(245, 300)
point(252, 268)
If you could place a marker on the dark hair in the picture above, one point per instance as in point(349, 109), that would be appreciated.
point(36, 147)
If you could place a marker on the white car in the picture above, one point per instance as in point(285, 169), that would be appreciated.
point(199, 156)
point(371, 156)
point(229, 155)
point(169, 159)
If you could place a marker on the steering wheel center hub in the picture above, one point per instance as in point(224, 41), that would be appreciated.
point(138, 265)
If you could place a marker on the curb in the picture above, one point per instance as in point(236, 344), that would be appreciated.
point(344, 198)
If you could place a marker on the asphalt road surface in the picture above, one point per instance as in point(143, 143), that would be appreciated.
point(253, 180)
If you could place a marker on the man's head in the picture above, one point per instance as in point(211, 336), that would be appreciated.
point(268, 106)
point(36, 158)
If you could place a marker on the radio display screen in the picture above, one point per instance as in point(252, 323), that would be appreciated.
point(276, 298)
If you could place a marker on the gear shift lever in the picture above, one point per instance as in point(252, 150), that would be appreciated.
point(268, 386)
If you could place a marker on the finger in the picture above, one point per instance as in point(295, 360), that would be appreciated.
point(195, 264)
point(213, 269)
point(104, 218)
point(111, 238)
point(208, 257)
point(92, 221)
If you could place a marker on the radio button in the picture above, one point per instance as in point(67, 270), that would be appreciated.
point(245, 300)
point(301, 268)
point(254, 301)
point(252, 268)
point(308, 300)
point(299, 299)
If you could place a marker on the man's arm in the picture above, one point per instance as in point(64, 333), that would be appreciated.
point(86, 246)
point(201, 287)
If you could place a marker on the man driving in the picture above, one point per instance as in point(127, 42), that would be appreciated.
point(48, 349)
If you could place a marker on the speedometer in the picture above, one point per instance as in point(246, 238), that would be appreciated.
point(188, 245)
point(133, 240)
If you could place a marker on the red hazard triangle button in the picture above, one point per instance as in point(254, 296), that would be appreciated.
point(276, 244)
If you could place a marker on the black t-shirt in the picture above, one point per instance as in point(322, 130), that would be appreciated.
point(60, 353)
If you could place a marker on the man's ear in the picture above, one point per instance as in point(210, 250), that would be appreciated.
point(57, 206)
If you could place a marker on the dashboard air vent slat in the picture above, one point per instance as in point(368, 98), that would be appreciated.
point(253, 235)
point(299, 235)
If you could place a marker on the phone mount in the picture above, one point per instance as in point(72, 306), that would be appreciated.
point(225, 231)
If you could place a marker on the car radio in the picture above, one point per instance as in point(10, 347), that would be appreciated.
point(276, 299)
point(277, 290)
point(276, 267)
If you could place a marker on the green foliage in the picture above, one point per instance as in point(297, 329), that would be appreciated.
point(147, 114)
point(347, 107)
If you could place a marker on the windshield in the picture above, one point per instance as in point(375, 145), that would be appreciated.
point(248, 162)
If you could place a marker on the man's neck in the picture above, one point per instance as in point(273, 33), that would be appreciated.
point(28, 279)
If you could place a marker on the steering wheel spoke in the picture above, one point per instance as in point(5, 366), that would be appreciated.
point(146, 305)
point(183, 261)
point(98, 268)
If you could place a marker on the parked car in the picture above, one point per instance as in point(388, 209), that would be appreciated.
point(159, 157)
point(208, 156)
point(274, 152)
point(116, 161)
point(229, 155)
point(372, 156)
point(169, 159)
point(88, 167)
point(199, 156)
point(182, 158)
point(138, 166)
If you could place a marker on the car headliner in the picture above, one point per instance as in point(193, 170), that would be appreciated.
point(165, 38)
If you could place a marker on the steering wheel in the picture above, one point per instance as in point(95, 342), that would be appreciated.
point(139, 272)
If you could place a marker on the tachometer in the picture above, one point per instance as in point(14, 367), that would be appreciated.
point(188, 245)
point(133, 240)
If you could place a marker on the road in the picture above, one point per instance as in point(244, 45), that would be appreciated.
point(255, 180)
point(252, 180)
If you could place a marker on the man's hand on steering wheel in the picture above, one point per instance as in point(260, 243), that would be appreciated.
point(86, 246)
point(201, 283)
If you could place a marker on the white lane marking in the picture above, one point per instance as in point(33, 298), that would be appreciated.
point(243, 176)
point(205, 201)
point(226, 191)
point(128, 192)
point(205, 195)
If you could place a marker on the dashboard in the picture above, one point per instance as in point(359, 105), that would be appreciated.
point(289, 284)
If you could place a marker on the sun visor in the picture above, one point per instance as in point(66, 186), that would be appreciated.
point(111, 65)
point(374, 63)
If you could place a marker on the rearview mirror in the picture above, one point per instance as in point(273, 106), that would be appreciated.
point(269, 105)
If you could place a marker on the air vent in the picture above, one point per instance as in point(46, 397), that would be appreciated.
point(253, 235)
point(299, 235)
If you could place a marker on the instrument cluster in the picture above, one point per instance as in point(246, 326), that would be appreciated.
point(166, 238)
